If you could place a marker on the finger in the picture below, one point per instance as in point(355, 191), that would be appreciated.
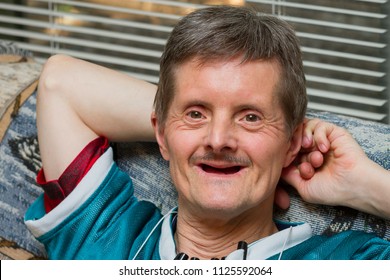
point(292, 176)
point(316, 159)
point(308, 131)
point(321, 136)
point(306, 170)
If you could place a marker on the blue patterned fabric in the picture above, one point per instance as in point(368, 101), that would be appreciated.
point(20, 161)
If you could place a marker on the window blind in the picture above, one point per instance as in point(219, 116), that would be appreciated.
point(345, 43)
point(346, 53)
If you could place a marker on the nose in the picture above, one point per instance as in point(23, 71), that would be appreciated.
point(221, 135)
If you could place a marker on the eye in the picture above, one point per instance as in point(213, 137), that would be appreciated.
point(195, 115)
point(252, 118)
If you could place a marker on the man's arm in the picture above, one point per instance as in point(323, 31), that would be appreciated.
point(346, 176)
point(78, 101)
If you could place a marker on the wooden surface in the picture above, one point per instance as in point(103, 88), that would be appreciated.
point(18, 80)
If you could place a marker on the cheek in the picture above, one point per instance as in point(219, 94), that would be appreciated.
point(266, 152)
point(180, 145)
point(180, 150)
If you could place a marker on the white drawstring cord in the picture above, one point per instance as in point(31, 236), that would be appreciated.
point(150, 234)
point(285, 242)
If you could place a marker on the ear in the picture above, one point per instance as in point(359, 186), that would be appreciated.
point(160, 136)
point(295, 145)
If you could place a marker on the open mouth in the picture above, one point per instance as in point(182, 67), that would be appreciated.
point(215, 170)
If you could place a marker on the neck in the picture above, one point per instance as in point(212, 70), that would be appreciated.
point(215, 238)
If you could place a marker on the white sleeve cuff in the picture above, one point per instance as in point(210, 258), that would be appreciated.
point(85, 188)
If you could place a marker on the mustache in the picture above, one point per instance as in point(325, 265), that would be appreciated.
point(225, 157)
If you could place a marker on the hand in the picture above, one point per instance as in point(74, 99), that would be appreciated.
point(310, 158)
point(329, 165)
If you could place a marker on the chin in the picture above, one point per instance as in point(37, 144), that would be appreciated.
point(222, 209)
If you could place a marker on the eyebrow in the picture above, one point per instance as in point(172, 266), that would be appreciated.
point(249, 107)
point(206, 104)
point(197, 102)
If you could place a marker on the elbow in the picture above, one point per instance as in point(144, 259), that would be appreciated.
point(53, 77)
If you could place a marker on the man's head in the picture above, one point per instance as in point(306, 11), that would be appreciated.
point(222, 33)
point(229, 81)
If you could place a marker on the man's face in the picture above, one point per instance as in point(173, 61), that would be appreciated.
point(225, 137)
